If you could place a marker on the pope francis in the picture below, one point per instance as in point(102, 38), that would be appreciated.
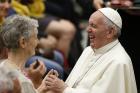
point(104, 66)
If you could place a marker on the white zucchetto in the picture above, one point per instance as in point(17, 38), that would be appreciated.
point(112, 15)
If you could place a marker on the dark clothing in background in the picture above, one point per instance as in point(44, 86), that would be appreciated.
point(129, 39)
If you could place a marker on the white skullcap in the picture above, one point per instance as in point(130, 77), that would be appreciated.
point(112, 15)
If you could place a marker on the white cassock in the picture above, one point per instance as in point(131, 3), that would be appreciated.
point(105, 70)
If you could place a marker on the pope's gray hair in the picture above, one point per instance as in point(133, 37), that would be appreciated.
point(110, 24)
point(16, 26)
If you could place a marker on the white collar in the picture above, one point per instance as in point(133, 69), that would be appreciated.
point(106, 48)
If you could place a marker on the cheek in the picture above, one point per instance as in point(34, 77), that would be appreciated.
point(95, 33)
point(32, 43)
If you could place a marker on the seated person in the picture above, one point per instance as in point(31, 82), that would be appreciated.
point(47, 48)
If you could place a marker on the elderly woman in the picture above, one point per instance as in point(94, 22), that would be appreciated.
point(19, 35)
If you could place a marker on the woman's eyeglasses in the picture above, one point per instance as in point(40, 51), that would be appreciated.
point(3, 1)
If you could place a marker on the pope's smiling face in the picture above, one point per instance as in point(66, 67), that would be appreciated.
point(97, 30)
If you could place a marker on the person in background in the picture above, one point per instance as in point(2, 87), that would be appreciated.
point(4, 7)
point(104, 66)
point(114, 3)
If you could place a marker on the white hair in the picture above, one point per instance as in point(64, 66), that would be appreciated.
point(16, 26)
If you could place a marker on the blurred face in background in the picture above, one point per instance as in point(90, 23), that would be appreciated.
point(4, 6)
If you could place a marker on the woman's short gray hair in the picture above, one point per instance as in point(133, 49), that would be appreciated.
point(16, 26)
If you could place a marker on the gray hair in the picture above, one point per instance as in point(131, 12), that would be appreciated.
point(16, 26)
point(109, 23)
point(6, 79)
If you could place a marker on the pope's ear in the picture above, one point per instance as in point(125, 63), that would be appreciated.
point(111, 32)
point(22, 42)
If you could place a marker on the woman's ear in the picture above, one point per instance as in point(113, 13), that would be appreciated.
point(22, 42)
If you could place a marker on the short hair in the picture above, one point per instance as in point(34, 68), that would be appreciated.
point(109, 23)
point(16, 26)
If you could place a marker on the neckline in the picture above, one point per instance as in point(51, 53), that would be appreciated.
point(106, 48)
point(11, 64)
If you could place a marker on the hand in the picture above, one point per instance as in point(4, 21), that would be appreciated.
point(35, 73)
point(98, 4)
point(43, 88)
point(54, 84)
point(51, 72)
